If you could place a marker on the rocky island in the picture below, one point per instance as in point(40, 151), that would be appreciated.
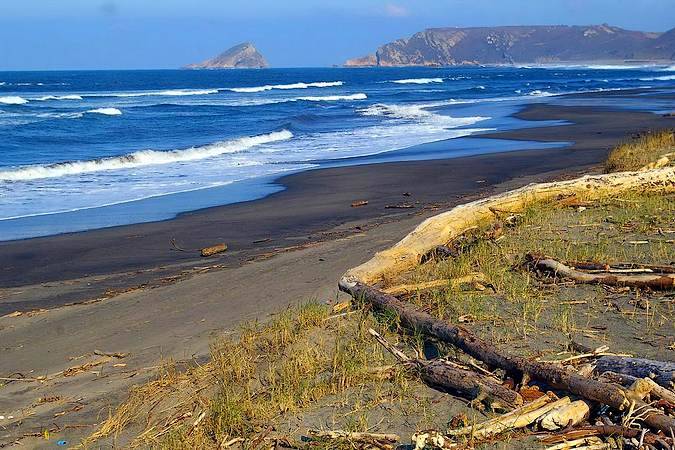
point(242, 56)
point(522, 45)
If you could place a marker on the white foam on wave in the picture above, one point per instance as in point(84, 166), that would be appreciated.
point(141, 158)
point(269, 87)
point(165, 93)
point(59, 97)
point(106, 111)
point(396, 111)
point(663, 78)
point(420, 113)
point(13, 100)
point(667, 69)
point(539, 93)
point(418, 81)
point(333, 98)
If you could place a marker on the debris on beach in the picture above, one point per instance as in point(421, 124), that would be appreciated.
point(358, 203)
point(213, 250)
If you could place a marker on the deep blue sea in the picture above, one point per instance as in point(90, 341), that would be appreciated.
point(90, 149)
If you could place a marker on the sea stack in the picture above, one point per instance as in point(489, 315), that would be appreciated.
point(242, 56)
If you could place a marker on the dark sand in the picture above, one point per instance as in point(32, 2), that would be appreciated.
point(177, 318)
point(313, 201)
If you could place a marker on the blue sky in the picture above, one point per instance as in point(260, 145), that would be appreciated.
point(102, 34)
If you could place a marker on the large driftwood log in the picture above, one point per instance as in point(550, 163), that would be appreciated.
point(440, 229)
point(656, 281)
point(661, 372)
point(451, 377)
point(555, 376)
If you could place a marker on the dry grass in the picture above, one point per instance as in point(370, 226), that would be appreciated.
point(638, 153)
point(258, 383)
point(526, 313)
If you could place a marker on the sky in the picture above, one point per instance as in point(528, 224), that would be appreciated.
point(152, 34)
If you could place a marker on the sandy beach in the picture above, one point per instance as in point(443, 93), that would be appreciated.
point(129, 289)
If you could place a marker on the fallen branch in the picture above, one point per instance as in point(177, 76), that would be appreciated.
point(405, 289)
point(554, 375)
point(652, 281)
point(452, 377)
point(661, 372)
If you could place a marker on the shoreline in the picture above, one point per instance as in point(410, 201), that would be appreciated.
point(310, 204)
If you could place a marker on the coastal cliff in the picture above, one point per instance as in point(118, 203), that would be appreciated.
point(242, 56)
point(522, 45)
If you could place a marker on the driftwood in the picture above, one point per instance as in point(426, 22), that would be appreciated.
point(452, 377)
point(214, 249)
point(603, 267)
point(661, 372)
point(404, 289)
point(518, 418)
point(646, 384)
point(553, 375)
point(565, 416)
point(652, 281)
point(601, 430)
point(373, 440)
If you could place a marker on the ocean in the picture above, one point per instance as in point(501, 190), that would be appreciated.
point(91, 149)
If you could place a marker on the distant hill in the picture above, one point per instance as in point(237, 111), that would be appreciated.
point(522, 45)
point(242, 56)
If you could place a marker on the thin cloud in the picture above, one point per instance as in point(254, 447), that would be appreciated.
point(393, 10)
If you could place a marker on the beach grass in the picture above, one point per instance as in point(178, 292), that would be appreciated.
point(638, 153)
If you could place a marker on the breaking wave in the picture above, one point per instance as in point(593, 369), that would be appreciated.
point(269, 87)
point(333, 98)
point(106, 111)
point(418, 81)
point(13, 100)
point(59, 97)
point(141, 158)
point(419, 113)
point(663, 78)
point(166, 93)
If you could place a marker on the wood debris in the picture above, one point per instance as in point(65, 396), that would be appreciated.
point(374, 440)
point(655, 281)
point(213, 250)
